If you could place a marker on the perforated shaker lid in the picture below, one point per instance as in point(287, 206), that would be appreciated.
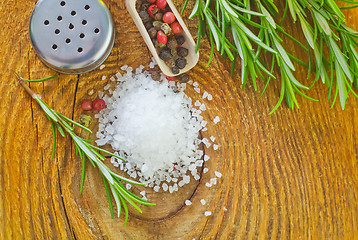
point(72, 36)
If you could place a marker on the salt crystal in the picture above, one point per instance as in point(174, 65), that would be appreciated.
point(187, 202)
point(205, 95)
point(142, 193)
point(203, 123)
point(205, 170)
point(107, 86)
point(196, 177)
point(197, 103)
point(225, 209)
point(102, 66)
point(215, 147)
point(218, 174)
point(124, 67)
point(202, 107)
point(195, 84)
point(128, 186)
point(213, 181)
point(216, 119)
point(156, 188)
point(206, 158)
point(197, 90)
point(212, 138)
point(204, 129)
point(171, 190)
point(207, 213)
point(104, 77)
point(113, 79)
point(165, 187)
point(202, 201)
point(208, 184)
point(210, 97)
point(100, 94)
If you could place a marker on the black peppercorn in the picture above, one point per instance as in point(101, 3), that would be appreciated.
point(145, 6)
point(155, 42)
point(138, 5)
point(183, 52)
point(180, 63)
point(175, 70)
point(155, 76)
point(152, 32)
point(172, 43)
point(148, 25)
point(144, 16)
point(180, 40)
point(184, 78)
point(165, 54)
point(158, 16)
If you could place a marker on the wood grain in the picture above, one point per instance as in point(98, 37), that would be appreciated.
point(291, 175)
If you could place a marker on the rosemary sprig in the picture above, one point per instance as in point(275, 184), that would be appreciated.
point(327, 21)
point(112, 181)
point(229, 24)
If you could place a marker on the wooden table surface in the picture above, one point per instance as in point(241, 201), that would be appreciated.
point(291, 175)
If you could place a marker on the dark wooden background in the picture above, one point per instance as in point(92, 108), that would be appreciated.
point(291, 175)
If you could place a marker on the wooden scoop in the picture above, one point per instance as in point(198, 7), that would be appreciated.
point(192, 58)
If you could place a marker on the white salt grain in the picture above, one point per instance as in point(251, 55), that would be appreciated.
point(213, 181)
point(165, 187)
point(212, 138)
point(142, 193)
point(216, 119)
point(215, 147)
point(128, 186)
point(207, 213)
point(206, 158)
point(208, 184)
point(202, 107)
point(203, 202)
point(195, 84)
point(104, 77)
point(218, 174)
point(197, 90)
point(187, 202)
point(205, 95)
point(197, 103)
point(205, 170)
point(156, 188)
point(107, 86)
point(102, 66)
point(225, 209)
point(210, 97)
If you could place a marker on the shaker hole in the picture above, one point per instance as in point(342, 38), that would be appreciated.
point(71, 26)
point(96, 30)
point(82, 35)
point(46, 22)
point(57, 31)
point(63, 3)
point(54, 47)
point(59, 18)
point(80, 49)
point(84, 22)
point(73, 13)
point(68, 40)
point(87, 7)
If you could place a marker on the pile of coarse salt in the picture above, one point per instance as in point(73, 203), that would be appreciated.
point(155, 127)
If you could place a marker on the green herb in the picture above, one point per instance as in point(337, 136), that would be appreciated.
point(86, 151)
point(231, 27)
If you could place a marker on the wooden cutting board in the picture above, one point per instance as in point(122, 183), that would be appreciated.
point(291, 175)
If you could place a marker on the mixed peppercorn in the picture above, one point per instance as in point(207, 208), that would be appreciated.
point(164, 30)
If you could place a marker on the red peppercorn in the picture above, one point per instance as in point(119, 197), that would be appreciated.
point(176, 28)
point(162, 3)
point(99, 104)
point(169, 78)
point(169, 17)
point(86, 105)
point(162, 38)
point(152, 10)
point(151, 1)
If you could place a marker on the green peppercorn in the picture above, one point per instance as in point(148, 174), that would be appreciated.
point(180, 63)
point(166, 29)
point(173, 52)
point(170, 63)
point(85, 120)
point(183, 52)
point(157, 25)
